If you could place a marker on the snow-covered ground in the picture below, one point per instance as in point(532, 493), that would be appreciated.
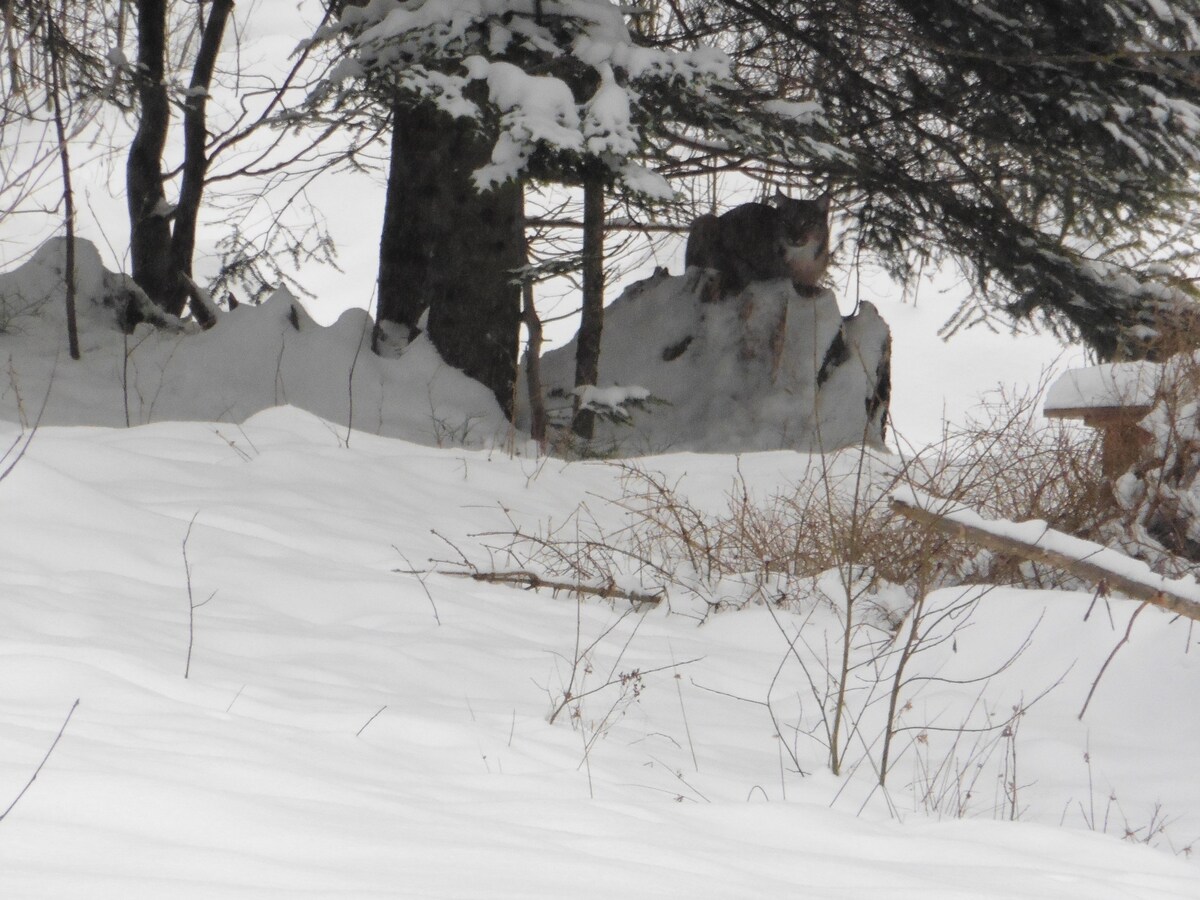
point(357, 720)
point(347, 730)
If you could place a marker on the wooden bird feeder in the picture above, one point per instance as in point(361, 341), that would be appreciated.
point(1121, 435)
point(1114, 399)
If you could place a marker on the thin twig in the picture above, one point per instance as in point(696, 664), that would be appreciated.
point(38, 770)
point(350, 381)
point(370, 720)
point(421, 578)
point(1121, 643)
point(573, 697)
point(21, 442)
point(192, 604)
point(235, 698)
point(683, 710)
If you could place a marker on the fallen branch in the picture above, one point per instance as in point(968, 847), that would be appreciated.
point(531, 581)
point(1084, 559)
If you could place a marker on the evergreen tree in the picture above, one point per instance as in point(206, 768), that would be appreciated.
point(1048, 147)
point(550, 91)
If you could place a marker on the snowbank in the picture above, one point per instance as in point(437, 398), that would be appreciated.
point(767, 370)
point(254, 358)
point(770, 370)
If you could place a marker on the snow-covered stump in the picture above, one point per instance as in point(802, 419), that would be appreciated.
point(765, 369)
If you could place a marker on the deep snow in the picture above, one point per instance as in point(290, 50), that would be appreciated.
point(255, 357)
point(264, 774)
point(359, 721)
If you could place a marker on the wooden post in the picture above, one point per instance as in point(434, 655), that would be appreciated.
point(1123, 439)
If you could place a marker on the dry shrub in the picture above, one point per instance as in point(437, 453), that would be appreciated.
point(828, 545)
point(834, 517)
point(1008, 462)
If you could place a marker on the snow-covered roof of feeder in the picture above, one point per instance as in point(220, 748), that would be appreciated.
point(1105, 394)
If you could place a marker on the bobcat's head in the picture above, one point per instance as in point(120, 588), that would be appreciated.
point(805, 236)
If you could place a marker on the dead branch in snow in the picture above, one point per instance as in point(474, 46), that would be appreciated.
point(533, 581)
point(1087, 569)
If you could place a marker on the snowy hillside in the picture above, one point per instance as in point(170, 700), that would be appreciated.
point(289, 683)
point(347, 730)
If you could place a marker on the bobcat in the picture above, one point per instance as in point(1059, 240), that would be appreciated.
point(757, 242)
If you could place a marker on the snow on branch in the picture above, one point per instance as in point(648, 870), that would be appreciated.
point(566, 82)
point(612, 402)
point(1037, 542)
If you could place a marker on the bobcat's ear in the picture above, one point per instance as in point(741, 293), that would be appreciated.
point(779, 197)
point(823, 202)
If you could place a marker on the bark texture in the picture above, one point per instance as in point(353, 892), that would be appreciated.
point(450, 249)
point(195, 162)
point(149, 227)
point(591, 322)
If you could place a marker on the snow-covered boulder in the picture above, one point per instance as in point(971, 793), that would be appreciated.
point(768, 369)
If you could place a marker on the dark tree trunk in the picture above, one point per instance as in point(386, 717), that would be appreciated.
point(450, 249)
point(591, 320)
point(149, 229)
point(533, 366)
point(64, 159)
point(195, 161)
point(414, 224)
point(533, 351)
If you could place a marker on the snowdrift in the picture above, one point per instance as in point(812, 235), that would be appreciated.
point(766, 370)
point(357, 721)
point(254, 358)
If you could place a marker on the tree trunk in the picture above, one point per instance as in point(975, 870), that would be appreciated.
point(64, 159)
point(533, 367)
point(149, 229)
point(450, 249)
point(195, 161)
point(591, 322)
